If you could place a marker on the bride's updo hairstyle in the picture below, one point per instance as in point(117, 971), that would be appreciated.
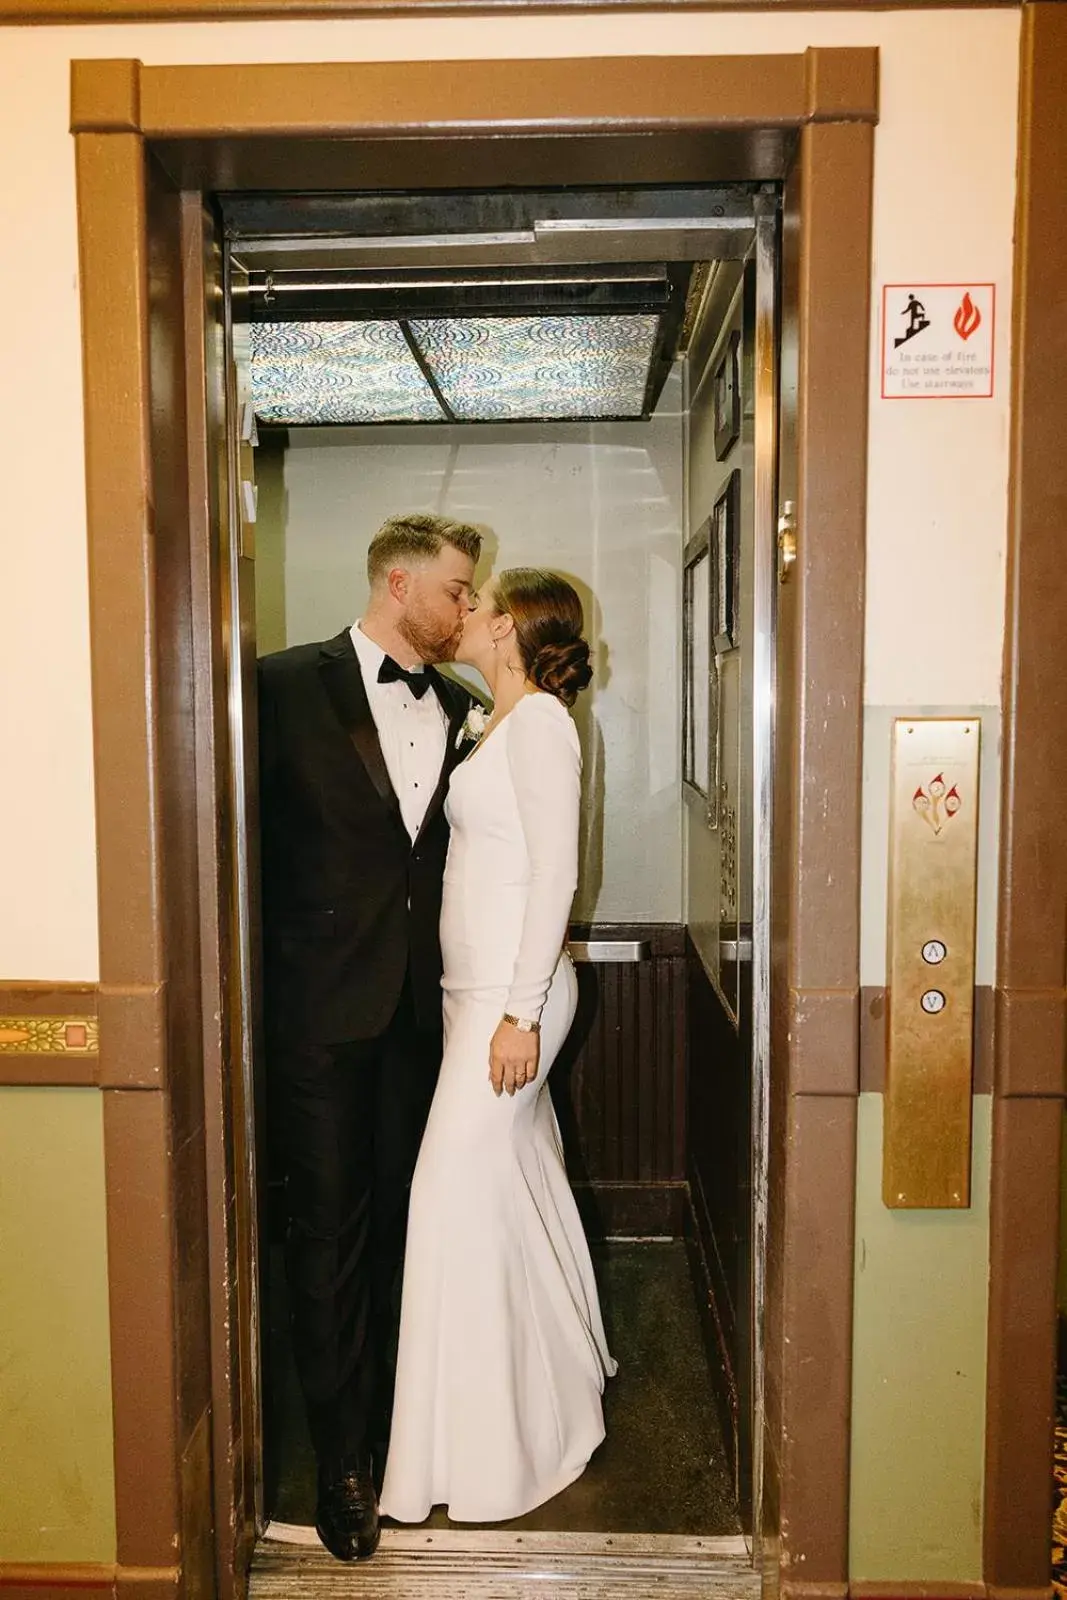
point(547, 614)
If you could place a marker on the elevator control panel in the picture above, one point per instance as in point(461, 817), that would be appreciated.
point(933, 860)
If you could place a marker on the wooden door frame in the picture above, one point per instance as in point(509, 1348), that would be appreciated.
point(1030, 1027)
point(810, 116)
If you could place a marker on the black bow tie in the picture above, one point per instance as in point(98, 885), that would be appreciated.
point(391, 671)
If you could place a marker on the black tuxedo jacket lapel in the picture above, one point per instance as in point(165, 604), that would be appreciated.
point(342, 680)
point(456, 703)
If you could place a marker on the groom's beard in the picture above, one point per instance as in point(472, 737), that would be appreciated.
point(427, 637)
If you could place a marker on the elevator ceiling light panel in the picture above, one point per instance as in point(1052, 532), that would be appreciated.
point(322, 372)
point(443, 369)
point(493, 368)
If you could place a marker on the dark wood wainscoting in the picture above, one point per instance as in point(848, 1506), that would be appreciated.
point(619, 1086)
point(719, 1170)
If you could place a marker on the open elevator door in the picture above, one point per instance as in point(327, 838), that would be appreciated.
point(729, 633)
point(239, 1449)
point(221, 551)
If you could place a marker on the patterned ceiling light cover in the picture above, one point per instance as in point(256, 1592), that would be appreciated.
point(488, 368)
point(496, 368)
point(320, 372)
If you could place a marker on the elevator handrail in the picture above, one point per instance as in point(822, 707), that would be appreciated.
point(603, 950)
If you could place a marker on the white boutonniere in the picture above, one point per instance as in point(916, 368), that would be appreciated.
point(474, 725)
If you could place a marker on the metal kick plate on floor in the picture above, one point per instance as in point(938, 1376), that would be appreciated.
point(933, 855)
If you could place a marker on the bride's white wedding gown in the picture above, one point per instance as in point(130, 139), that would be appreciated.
point(502, 1355)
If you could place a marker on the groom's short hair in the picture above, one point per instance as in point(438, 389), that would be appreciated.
point(418, 536)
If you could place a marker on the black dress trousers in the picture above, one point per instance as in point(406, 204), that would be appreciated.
point(348, 1120)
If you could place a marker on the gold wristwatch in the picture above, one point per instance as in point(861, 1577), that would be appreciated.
point(523, 1024)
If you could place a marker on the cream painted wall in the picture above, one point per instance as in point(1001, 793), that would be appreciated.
point(601, 503)
point(944, 171)
point(944, 174)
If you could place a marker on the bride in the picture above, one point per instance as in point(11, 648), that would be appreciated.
point(502, 1355)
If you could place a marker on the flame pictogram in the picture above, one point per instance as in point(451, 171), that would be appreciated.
point(968, 318)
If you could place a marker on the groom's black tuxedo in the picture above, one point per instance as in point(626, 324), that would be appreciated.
point(352, 967)
point(350, 903)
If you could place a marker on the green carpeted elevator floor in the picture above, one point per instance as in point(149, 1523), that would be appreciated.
point(662, 1468)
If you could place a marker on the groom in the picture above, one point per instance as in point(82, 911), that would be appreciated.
point(357, 740)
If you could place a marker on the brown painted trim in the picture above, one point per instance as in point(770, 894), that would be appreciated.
point(842, 84)
point(133, 1026)
point(815, 1360)
point(70, 1581)
point(1031, 1043)
point(350, 101)
point(836, 164)
point(114, 302)
point(143, 1356)
point(113, 256)
point(105, 96)
point(891, 1590)
point(1021, 1370)
point(824, 1024)
point(49, 1072)
point(28, 12)
point(1032, 926)
point(873, 1039)
point(816, 883)
point(1032, 949)
point(895, 1589)
point(124, 1036)
point(61, 1581)
point(59, 1021)
point(321, 99)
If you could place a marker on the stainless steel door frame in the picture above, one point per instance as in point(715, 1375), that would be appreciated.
point(239, 648)
point(763, 730)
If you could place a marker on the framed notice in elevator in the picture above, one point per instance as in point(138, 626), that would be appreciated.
point(725, 538)
point(726, 396)
point(700, 719)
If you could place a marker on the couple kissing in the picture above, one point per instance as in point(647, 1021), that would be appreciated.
point(419, 860)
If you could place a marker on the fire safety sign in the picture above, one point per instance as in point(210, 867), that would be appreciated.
point(937, 341)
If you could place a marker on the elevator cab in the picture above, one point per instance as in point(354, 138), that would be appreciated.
point(592, 378)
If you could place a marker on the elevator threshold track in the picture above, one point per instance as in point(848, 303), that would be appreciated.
point(457, 1564)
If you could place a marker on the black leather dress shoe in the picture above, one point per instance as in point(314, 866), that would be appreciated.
point(347, 1512)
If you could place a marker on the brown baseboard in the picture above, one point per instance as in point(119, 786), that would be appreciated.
point(997, 1591)
point(59, 1580)
point(33, 1580)
point(632, 1210)
point(898, 1590)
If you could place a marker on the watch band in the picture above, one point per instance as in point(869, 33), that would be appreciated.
point(524, 1024)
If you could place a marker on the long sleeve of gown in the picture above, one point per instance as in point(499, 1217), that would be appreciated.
point(546, 770)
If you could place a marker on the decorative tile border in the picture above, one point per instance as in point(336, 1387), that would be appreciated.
point(50, 1036)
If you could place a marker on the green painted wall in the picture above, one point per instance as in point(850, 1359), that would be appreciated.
point(919, 1361)
point(57, 1487)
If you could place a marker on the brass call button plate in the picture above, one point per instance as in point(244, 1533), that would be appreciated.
point(933, 863)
